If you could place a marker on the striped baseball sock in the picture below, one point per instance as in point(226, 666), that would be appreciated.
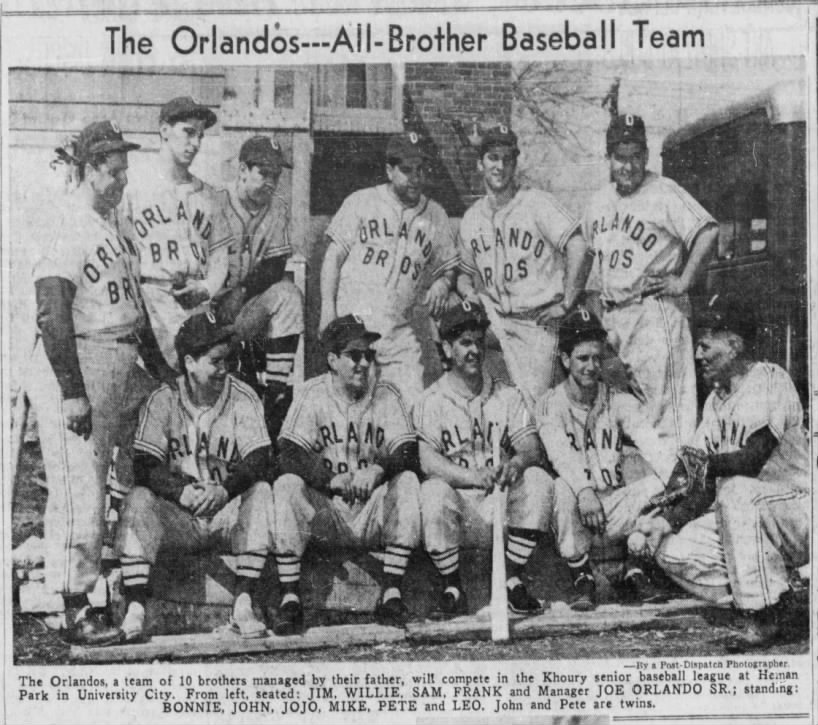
point(579, 567)
point(447, 562)
point(394, 565)
point(519, 547)
point(279, 360)
point(250, 564)
point(289, 576)
point(135, 571)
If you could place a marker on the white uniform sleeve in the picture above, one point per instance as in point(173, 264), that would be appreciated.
point(445, 253)
point(344, 229)
point(631, 417)
point(685, 217)
point(426, 422)
point(465, 254)
point(568, 462)
point(250, 428)
point(397, 422)
point(300, 425)
point(153, 430)
point(520, 424)
point(222, 233)
point(62, 255)
point(278, 237)
point(784, 409)
point(555, 221)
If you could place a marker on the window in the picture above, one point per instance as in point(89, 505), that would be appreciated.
point(357, 97)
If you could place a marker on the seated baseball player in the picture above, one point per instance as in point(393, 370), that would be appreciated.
point(743, 548)
point(582, 423)
point(347, 452)
point(458, 419)
point(202, 455)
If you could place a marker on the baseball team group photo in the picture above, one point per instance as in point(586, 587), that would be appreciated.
point(436, 351)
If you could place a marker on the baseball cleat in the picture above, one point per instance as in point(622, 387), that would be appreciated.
point(452, 603)
point(289, 619)
point(392, 613)
point(521, 602)
point(584, 599)
point(637, 588)
point(91, 628)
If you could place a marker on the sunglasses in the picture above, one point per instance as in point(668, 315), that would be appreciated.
point(356, 355)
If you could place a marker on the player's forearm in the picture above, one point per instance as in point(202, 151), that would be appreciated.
point(330, 274)
point(151, 354)
point(267, 273)
point(703, 247)
point(153, 474)
point(747, 461)
point(528, 451)
point(55, 320)
point(255, 467)
point(464, 286)
point(436, 465)
point(578, 262)
point(403, 458)
point(305, 464)
point(217, 266)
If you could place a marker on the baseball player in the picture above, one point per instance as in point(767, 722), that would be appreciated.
point(582, 423)
point(650, 238)
point(265, 308)
point(458, 419)
point(85, 384)
point(181, 236)
point(384, 243)
point(202, 457)
point(759, 526)
point(528, 253)
point(347, 450)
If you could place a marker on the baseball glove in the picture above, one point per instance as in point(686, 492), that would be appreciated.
point(688, 480)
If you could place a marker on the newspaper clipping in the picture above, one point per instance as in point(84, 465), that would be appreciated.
point(428, 363)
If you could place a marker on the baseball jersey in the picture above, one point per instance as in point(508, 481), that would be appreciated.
point(253, 237)
point(463, 429)
point(648, 232)
point(766, 397)
point(347, 435)
point(390, 249)
point(517, 249)
point(100, 258)
point(204, 443)
point(177, 226)
point(592, 456)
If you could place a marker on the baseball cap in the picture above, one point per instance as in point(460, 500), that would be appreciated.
point(407, 145)
point(626, 128)
point(579, 325)
point(101, 137)
point(343, 330)
point(462, 316)
point(500, 135)
point(199, 333)
point(729, 312)
point(263, 151)
point(185, 107)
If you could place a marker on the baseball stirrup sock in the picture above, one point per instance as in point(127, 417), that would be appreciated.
point(447, 562)
point(519, 547)
point(135, 571)
point(250, 564)
point(396, 560)
point(289, 568)
point(279, 360)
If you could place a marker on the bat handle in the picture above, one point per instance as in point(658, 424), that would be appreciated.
point(499, 594)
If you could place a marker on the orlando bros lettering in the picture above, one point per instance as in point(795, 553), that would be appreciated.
point(367, 435)
point(111, 264)
point(375, 231)
point(480, 437)
point(147, 219)
point(731, 435)
point(606, 441)
point(206, 448)
point(628, 227)
point(518, 239)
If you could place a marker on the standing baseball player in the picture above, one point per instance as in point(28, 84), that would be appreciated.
point(182, 237)
point(202, 457)
point(348, 454)
point(85, 384)
point(582, 423)
point(528, 253)
point(458, 419)
point(384, 243)
point(752, 430)
point(265, 308)
point(650, 238)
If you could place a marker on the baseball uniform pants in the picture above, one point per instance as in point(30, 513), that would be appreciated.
point(399, 362)
point(744, 547)
point(276, 312)
point(151, 524)
point(463, 517)
point(652, 336)
point(390, 517)
point(622, 507)
point(76, 469)
point(166, 316)
point(529, 351)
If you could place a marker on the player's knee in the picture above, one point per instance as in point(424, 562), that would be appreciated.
point(405, 488)
point(436, 495)
point(138, 501)
point(538, 487)
point(288, 487)
point(260, 490)
point(736, 492)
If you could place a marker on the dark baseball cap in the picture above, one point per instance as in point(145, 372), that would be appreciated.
point(626, 128)
point(200, 333)
point(101, 137)
point(579, 325)
point(343, 330)
point(186, 107)
point(728, 312)
point(462, 316)
point(500, 135)
point(409, 145)
point(263, 151)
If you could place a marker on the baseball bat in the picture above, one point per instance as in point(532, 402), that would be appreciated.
point(499, 594)
point(19, 422)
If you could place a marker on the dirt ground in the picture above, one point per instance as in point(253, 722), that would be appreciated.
point(35, 644)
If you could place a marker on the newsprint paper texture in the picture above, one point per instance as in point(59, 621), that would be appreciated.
point(331, 82)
